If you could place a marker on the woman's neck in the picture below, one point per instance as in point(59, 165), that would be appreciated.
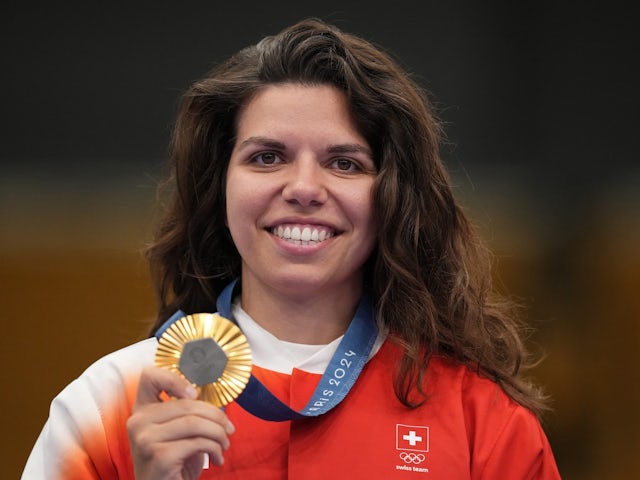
point(312, 319)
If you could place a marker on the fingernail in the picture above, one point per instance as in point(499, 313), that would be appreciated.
point(191, 392)
point(230, 428)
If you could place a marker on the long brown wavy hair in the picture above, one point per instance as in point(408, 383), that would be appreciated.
point(430, 274)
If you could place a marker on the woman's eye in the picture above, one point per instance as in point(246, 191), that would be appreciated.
point(345, 165)
point(266, 158)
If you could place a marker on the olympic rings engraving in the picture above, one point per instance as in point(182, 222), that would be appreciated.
point(408, 457)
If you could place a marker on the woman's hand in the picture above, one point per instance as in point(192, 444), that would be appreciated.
point(170, 438)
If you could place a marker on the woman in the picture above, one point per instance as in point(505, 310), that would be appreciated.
point(310, 204)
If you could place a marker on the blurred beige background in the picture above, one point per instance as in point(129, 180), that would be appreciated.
point(541, 106)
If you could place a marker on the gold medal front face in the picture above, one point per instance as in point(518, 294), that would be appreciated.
point(211, 352)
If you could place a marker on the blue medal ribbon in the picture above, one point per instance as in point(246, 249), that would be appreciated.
point(340, 375)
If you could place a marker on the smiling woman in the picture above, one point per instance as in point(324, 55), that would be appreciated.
point(311, 207)
point(318, 180)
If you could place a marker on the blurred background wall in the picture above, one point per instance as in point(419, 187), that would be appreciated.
point(541, 106)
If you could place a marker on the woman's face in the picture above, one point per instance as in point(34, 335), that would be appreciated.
point(298, 192)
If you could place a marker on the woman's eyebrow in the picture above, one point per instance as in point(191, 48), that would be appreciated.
point(349, 148)
point(263, 142)
point(278, 145)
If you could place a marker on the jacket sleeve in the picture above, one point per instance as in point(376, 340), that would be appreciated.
point(505, 439)
point(72, 441)
point(519, 450)
point(85, 435)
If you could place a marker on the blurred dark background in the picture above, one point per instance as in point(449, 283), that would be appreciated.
point(541, 106)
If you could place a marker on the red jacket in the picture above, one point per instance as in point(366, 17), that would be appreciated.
point(468, 429)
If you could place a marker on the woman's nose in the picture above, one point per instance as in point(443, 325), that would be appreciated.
point(305, 183)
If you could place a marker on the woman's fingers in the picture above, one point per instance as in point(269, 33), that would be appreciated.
point(173, 456)
point(178, 419)
point(169, 438)
point(154, 381)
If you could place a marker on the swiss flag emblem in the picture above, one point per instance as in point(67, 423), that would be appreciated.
point(412, 437)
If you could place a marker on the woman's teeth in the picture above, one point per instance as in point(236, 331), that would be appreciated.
point(302, 235)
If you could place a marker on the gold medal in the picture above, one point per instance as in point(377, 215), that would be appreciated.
point(209, 351)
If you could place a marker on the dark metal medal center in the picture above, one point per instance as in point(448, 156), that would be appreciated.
point(202, 361)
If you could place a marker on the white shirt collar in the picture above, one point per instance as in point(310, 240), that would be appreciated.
point(269, 352)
